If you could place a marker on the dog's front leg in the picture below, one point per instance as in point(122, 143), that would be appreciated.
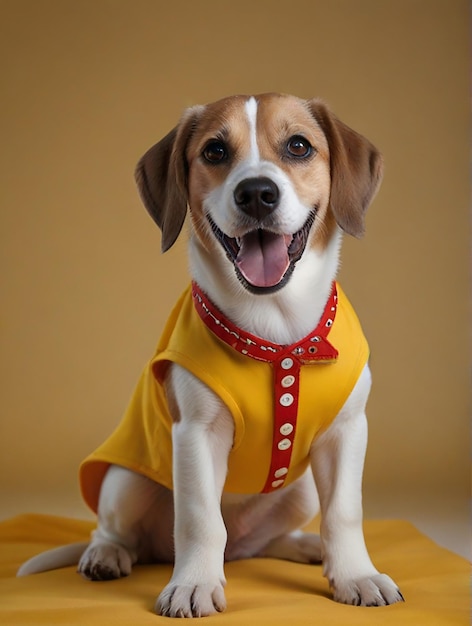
point(202, 437)
point(337, 461)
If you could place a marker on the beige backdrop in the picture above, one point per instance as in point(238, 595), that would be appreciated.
point(88, 86)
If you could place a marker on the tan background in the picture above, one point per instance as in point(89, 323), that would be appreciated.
point(88, 86)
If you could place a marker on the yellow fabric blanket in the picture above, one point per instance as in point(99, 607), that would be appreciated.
point(434, 581)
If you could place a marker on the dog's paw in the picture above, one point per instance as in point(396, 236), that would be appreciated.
point(377, 590)
point(105, 561)
point(191, 600)
point(297, 546)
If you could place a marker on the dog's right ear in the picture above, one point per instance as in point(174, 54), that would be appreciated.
point(161, 176)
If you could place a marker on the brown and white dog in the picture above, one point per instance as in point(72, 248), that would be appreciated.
point(270, 183)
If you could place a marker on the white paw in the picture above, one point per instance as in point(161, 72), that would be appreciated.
point(191, 600)
point(377, 590)
point(105, 561)
point(297, 546)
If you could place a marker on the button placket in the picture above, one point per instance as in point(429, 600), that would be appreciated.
point(286, 389)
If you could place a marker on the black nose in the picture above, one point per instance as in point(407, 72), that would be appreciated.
point(257, 196)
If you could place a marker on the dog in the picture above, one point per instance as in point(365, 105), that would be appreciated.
point(251, 414)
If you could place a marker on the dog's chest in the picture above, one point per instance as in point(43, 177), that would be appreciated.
point(280, 397)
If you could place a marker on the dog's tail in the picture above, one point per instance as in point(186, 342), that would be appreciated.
point(53, 559)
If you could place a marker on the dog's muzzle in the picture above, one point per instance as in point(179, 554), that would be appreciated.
point(263, 259)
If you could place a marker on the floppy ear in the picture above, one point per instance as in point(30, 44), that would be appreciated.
point(356, 170)
point(161, 176)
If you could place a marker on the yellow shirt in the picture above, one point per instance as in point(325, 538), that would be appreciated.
point(304, 404)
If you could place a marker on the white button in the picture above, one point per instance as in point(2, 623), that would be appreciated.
point(284, 444)
point(281, 472)
point(277, 483)
point(287, 363)
point(286, 399)
point(287, 381)
point(286, 429)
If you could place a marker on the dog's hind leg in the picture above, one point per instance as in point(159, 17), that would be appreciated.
point(269, 525)
point(298, 505)
point(125, 499)
point(295, 546)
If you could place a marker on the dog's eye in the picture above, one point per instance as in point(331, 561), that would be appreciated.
point(299, 147)
point(215, 152)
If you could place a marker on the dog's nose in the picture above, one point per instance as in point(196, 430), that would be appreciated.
point(257, 196)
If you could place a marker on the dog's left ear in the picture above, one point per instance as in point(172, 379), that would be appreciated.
point(356, 170)
point(161, 176)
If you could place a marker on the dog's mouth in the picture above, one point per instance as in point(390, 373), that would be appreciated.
point(264, 260)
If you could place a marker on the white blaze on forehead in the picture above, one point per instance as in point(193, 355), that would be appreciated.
point(219, 203)
point(251, 112)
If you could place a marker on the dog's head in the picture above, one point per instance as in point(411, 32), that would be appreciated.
point(264, 178)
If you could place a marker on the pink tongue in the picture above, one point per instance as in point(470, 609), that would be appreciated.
point(263, 258)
